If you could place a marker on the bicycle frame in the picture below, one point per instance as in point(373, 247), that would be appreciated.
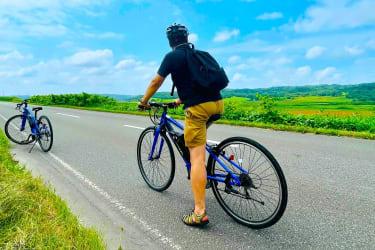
point(33, 125)
point(165, 125)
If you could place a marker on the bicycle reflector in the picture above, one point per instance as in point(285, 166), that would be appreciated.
point(231, 157)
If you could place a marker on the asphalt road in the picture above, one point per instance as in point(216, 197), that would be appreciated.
point(331, 182)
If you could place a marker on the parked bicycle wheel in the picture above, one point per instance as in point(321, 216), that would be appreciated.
point(45, 138)
point(13, 130)
point(261, 199)
point(159, 171)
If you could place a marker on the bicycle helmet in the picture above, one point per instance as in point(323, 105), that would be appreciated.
point(177, 34)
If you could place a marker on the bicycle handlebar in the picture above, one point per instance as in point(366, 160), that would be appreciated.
point(24, 102)
point(170, 105)
point(155, 118)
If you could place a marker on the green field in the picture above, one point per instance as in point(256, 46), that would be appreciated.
point(314, 114)
point(322, 105)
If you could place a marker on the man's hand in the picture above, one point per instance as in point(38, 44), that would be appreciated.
point(178, 102)
point(143, 106)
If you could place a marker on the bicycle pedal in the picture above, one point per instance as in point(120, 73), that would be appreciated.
point(208, 185)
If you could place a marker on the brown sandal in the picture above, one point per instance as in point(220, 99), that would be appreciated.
point(193, 219)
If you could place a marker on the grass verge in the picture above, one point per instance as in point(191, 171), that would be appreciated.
point(32, 216)
point(280, 127)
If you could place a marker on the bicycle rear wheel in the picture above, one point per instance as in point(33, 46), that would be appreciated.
point(159, 171)
point(261, 199)
point(45, 138)
point(13, 130)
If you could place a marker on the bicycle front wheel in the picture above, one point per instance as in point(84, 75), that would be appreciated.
point(15, 134)
point(45, 139)
point(261, 199)
point(157, 170)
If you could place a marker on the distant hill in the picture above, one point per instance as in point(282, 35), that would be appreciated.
point(23, 97)
point(364, 92)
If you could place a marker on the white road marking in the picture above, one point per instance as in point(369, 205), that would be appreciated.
point(124, 210)
point(74, 116)
point(5, 119)
point(130, 126)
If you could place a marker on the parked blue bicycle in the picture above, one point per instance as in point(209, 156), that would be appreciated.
point(246, 179)
point(27, 128)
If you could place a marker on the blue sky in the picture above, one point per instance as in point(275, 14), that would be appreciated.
point(109, 46)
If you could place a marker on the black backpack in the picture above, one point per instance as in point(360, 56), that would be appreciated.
point(205, 72)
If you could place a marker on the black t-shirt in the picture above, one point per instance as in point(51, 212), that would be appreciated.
point(175, 63)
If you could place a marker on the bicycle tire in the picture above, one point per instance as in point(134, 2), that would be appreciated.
point(46, 133)
point(256, 196)
point(13, 125)
point(143, 161)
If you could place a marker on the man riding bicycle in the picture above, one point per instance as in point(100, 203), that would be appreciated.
point(199, 106)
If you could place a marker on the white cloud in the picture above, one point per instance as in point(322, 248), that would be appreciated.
point(262, 63)
point(47, 4)
point(127, 63)
point(19, 18)
point(281, 61)
point(303, 71)
point(12, 56)
point(44, 30)
point(90, 71)
point(239, 80)
point(371, 44)
point(193, 38)
point(225, 35)
point(325, 73)
point(354, 51)
point(177, 11)
point(91, 58)
point(234, 59)
point(105, 35)
point(237, 77)
point(314, 52)
point(270, 16)
point(65, 44)
point(332, 15)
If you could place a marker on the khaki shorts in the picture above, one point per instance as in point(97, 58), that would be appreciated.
point(195, 122)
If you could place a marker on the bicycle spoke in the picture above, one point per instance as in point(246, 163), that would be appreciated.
point(254, 204)
point(157, 171)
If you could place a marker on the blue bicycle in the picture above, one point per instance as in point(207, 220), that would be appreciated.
point(246, 179)
point(27, 128)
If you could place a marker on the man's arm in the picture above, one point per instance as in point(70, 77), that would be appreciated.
point(152, 88)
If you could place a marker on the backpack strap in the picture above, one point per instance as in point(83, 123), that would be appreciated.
point(172, 91)
point(173, 85)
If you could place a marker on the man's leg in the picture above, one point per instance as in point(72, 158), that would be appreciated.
point(198, 177)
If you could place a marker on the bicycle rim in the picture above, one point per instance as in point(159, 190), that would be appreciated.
point(158, 172)
point(262, 201)
point(14, 133)
point(45, 138)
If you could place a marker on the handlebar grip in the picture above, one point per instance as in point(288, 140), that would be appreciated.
point(163, 105)
point(142, 108)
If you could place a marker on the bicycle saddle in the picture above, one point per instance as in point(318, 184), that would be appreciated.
point(212, 119)
point(37, 108)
